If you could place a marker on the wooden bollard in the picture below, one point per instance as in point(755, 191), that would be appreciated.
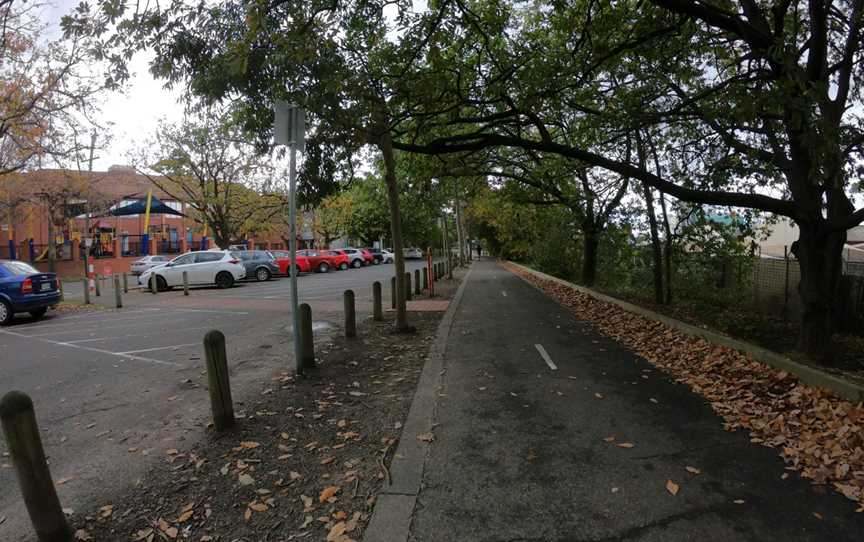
point(217, 380)
point(98, 286)
point(125, 283)
point(60, 287)
point(185, 283)
point(153, 287)
point(34, 477)
point(86, 283)
point(407, 286)
point(118, 297)
point(350, 314)
point(307, 341)
point(417, 289)
point(377, 309)
point(392, 292)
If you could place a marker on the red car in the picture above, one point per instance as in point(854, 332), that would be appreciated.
point(368, 257)
point(319, 260)
point(338, 259)
point(283, 260)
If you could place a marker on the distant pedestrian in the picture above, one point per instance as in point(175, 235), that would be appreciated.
point(479, 251)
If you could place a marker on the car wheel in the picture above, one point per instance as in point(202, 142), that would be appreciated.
point(298, 270)
point(39, 313)
point(224, 279)
point(323, 267)
point(376, 261)
point(6, 313)
point(161, 284)
point(262, 274)
point(389, 260)
point(343, 266)
point(357, 264)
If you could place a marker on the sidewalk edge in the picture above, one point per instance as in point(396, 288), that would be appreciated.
point(807, 374)
point(391, 518)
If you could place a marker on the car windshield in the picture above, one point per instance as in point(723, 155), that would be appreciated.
point(19, 268)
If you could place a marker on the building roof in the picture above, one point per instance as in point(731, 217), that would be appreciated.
point(119, 182)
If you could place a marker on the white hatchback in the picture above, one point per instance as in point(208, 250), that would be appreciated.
point(147, 262)
point(219, 267)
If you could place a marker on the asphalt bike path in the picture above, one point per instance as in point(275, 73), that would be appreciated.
point(547, 431)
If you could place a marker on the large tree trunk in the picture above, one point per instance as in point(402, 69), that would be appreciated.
point(590, 244)
point(820, 259)
point(386, 146)
point(667, 250)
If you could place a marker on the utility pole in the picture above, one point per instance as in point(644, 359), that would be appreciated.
point(447, 255)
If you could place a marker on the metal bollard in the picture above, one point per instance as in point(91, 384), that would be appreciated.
point(125, 284)
point(350, 314)
point(98, 287)
point(417, 288)
point(185, 283)
point(425, 279)
point(307, 341)
point(86, 283)
point(377, 310)
point(408, 286)
point(34, 477)
point(153, 283)
point(392, 292)
point(217, 380)
point(118, 297)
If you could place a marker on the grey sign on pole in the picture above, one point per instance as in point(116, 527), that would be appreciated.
point(289, 128)
point(289, 125)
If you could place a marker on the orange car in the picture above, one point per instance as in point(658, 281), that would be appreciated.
point(283, 260)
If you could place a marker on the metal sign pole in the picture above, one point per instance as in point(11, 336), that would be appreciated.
point(292, 246)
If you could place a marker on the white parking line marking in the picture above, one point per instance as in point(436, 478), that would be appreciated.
point(97, 350)
point(545, 356)
point(158, 348)
point(212, 311)
point(138, 335)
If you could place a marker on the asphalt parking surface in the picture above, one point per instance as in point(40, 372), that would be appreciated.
point(116, 388)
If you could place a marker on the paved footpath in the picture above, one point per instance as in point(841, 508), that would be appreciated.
point(519, 451)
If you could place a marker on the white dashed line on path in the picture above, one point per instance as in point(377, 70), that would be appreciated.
point(545, 356)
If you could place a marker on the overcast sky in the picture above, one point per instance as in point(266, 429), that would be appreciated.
point(134, 113)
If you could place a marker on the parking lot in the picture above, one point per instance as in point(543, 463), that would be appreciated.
point(114, 388)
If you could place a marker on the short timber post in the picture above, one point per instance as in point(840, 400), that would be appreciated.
point(350, 314)
point(217, 380)
point(86, 283)
point(185, 283)
point(377, 310)
point(125, 283)
point(417, 289)
point(307, 341)
point(153, 287)
point(34, 477)
point(392, 292)
point(118, 296)
point(60, 287)
point(408, 286)
point(98, 283)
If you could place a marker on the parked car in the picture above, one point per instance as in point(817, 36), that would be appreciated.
point(388, 256)
point(260, 264)
point(220, 267)
point(368, 257)
point(283, 260)
point(139, 266)
point(377, 253)
point(355, 257)
point(318, 260)
point(23, 288)
point(338, 259)
point(412, 253)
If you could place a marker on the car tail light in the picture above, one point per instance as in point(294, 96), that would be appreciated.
point(233, 261)
point(27, 286)
point(56, 284)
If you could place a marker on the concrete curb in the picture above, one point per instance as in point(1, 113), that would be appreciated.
point(391, 519)
point(809, 375)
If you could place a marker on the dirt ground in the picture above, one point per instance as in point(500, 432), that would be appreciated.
point(305, 461)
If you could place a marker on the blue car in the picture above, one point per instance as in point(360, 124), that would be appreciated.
point(25, 289)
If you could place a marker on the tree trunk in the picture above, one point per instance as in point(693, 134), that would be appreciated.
point(821, 261)
point(52, 252)
point(656, 249)
point(590, 244)
point(667, 241)
point(386, 146)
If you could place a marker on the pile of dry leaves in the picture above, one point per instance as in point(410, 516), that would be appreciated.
point(815, 432)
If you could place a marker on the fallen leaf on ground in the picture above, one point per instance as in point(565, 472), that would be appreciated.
point(328, 493)
point(672, 487)
point(625, 445)
point(692, 470)
point(426, 437)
